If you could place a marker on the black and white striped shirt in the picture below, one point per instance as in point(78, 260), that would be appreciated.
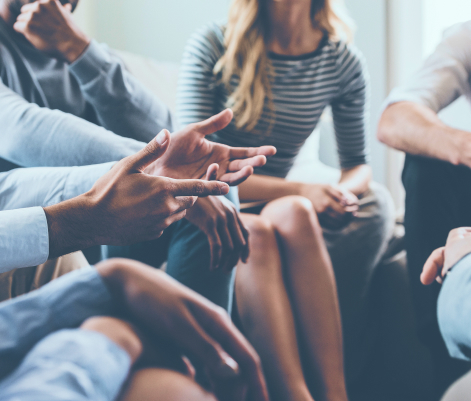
point(302, 87)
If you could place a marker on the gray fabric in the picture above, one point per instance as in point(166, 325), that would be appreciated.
point(460, 391)
point(355, 252)
point(53, 114)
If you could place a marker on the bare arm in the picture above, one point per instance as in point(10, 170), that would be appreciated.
point(416, 129)
point(356, 179)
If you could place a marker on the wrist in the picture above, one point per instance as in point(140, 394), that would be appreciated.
point(71, 50)
point(71, 226)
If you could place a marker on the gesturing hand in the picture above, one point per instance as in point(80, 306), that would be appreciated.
point(191, 154)
point(151, 299)
point(334, 205)
point(49, 26)
point(443, 259)
point(126, 205)
point(218, 218)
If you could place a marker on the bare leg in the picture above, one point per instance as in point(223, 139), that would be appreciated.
point(266, 313)
point(312, 289)
point(159, 384)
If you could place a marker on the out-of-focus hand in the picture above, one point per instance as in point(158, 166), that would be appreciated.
point(191, 154)
point(126, 205)
point(218, 218)
point(49, 26)
point(443, 259)
point(334, 205)
point(152, 300)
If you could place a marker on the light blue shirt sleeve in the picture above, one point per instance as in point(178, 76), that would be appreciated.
point(454, 310)
point(24, 238)
point(45, 186)
point(61, 304)
point(72, 365)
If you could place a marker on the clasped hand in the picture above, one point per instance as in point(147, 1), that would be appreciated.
point(458, 245)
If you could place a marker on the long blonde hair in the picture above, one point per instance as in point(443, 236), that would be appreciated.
point(246, 56)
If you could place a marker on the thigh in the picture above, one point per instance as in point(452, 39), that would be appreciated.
point(189, 260)
point(437, 201)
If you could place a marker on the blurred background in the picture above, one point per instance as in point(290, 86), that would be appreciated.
point(394, 35)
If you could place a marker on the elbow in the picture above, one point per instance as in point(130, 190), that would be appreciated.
point(384, 132)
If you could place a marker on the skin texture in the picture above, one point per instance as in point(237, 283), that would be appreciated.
point(169, 312)
point(136, 201)
point(417, 130)
point(458, 245)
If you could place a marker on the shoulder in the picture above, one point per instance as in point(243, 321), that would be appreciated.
point(207, 42)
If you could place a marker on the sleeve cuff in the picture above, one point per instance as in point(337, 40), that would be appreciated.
point(91, 63)
point(24, 238)
point(82, 179)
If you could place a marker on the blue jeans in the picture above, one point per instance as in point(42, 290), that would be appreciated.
point(186, 249)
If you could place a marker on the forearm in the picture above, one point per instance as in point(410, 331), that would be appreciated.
point(417, 130)
point(264, 188)
point(122, 103)
point(357, 179)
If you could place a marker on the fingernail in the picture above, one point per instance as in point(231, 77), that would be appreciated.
point(161, 139)
point(229, 367)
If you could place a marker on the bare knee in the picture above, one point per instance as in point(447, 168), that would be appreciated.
point(260, 229)
point(118, 331)
point(292, 215)
point(164, 385)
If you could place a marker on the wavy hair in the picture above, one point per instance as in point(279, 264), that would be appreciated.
point(246, 58)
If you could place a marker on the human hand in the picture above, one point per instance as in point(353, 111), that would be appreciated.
point(443, 259)
point(218, 218)
point(155, 302)
point(126, 205)
point(49, 27)
point(191, 154)
point(334, 205)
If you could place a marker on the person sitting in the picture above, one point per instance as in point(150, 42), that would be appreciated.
point(278, 65)
point(450, 266)
point(435, 176)
point(65, 100)
point(134, 201)
point(118, 332)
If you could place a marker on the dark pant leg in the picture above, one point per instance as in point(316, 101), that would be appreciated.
point(438, 199)
point(189, 258)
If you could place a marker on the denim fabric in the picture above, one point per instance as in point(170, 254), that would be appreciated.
point(186, 249)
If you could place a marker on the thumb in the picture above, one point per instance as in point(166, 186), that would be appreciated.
point(154, 150)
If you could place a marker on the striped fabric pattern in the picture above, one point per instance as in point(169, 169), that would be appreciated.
point(302, 87)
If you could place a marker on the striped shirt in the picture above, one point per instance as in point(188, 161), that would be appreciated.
point(302, 87)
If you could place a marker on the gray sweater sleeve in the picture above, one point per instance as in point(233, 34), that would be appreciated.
point(454, 310)
point(122, 103)
point(34, 136)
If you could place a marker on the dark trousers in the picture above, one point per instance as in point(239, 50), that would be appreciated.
point(438, 199)
point(186, 250)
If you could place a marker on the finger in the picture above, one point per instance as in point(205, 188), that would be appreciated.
point(68, 7)
point(24, 17)
point(337, 208)
point(235, 344)
point(336, 194)
point(154, 149)
point(256, 161)
point(228, 248)
point(237, 178)
point(199, 188)
point(175, 217)
point(212, 173)
point(185, 202)
point(244, 153)
point(30, 7)
point(200, 344)
point(433, 266)
point(215, 249)
point(20, 26)
point(215, 123)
